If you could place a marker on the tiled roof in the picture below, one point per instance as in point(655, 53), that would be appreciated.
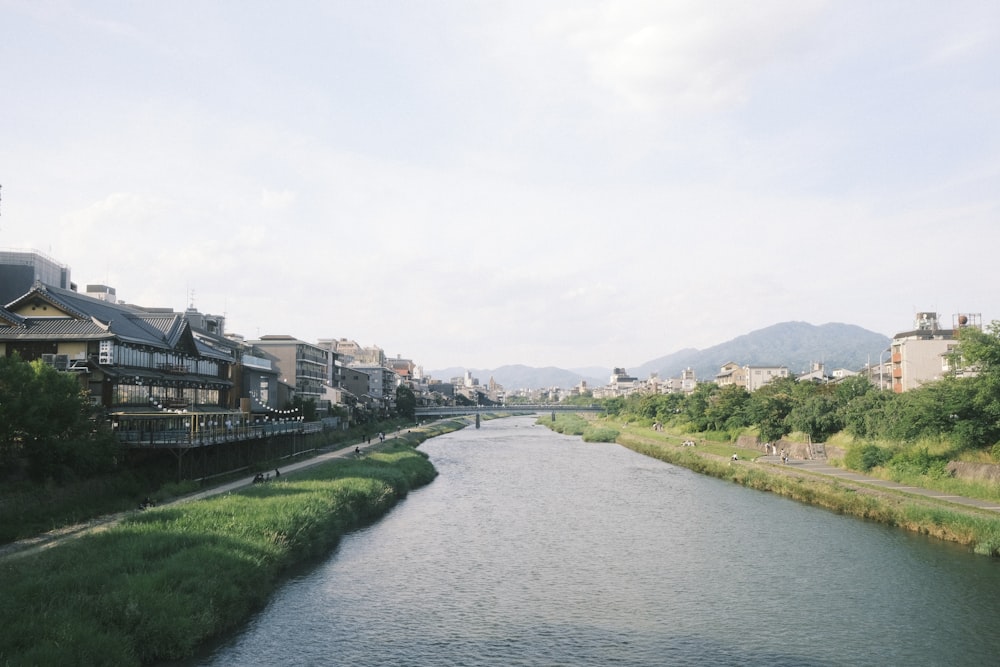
point(55, 328)
point(124, 323)
point(9, 318)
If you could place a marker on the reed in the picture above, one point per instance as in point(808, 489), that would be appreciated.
point(162, 582)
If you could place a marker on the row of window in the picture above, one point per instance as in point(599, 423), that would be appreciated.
point(133, 357)
point(164, 397)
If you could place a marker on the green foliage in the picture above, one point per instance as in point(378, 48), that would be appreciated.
point(154, 587)
point(600, 434)
point(306, 407)
point(573, 424)
point(770, 406)
point(406, 402)
point(816, 415)
point(566, 423)
point(865, 457)
point(917, 462)
point(46, 419)
point(727, 409)
point(614, 406)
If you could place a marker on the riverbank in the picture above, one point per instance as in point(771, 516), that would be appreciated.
point(968, 526)
point(159, 583)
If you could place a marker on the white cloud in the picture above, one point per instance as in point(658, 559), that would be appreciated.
point(546, 183)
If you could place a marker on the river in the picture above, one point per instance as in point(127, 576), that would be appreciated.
point(533, 548)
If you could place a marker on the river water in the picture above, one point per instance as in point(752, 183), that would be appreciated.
point(532, 548)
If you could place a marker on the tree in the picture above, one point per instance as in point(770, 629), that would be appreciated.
point(16, 378)
point(981, 351)
point(769, 407)
point(406, 402)
point(696, 407)
point(46, 419)
point(864, 416)
point(726, 409)
point(306, 408)
point(816, 416)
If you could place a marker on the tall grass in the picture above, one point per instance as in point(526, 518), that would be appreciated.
point(571, 423)
point(159, 584)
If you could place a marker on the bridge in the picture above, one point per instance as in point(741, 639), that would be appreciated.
point(451, 410)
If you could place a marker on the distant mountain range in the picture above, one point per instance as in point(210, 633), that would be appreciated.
point(796, 345)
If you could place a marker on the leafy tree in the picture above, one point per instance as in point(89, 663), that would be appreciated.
point(981, 350)
point(406, 402)
point(47, 420)
point(16, 378)
point(696, 407)
point(864, 416)
point(726, 409)
point(614, 405)
point(770, 406)
point(816, 415)
point(669, 406)
point(852, 388)
point(306, 408)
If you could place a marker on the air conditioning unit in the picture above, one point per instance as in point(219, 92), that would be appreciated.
point(49, 359)
point(61, 362)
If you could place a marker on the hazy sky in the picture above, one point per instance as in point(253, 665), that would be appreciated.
point(462, 183)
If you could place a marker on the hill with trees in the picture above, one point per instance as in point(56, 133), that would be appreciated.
point(796, 345)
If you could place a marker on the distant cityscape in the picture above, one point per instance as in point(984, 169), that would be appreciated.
point(147, 360)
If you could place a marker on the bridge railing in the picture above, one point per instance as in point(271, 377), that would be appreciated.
point(507, 409)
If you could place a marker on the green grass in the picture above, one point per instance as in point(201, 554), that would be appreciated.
point(571, 423)
point(980, 531)
point(157, 585)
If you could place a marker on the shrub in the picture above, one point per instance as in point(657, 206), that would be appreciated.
point(600, 434)
point(866, 457)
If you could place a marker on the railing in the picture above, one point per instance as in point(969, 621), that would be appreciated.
point(136, 432)
point(438, 411)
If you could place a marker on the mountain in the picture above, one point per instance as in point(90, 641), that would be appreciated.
point(796, 345)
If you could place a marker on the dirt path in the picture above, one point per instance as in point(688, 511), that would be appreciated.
point(37, 543)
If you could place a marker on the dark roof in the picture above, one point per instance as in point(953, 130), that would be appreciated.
point(101, 319)
point(55, 328)
point(12, 319)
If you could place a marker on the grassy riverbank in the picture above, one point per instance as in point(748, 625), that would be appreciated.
point(157, 585)
point(977, 529)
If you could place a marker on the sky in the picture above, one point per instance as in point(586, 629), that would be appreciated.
point(474, 184)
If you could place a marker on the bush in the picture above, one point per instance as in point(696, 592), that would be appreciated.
point(600, 434)
point(866, 457)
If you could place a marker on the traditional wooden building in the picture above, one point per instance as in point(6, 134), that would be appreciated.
point(145, 368)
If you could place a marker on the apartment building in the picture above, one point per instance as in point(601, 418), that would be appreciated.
point(921, 355)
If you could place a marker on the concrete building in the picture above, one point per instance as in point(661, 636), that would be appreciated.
point(920, 356)
point(21, 269)
point(758, 376)
point(750, 378)
point(307, 367)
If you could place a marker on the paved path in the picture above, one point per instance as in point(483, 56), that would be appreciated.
point(821, 467)
point(51, 538)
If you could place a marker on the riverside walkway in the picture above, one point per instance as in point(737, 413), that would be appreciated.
point(52, 538)
point(822, 468)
